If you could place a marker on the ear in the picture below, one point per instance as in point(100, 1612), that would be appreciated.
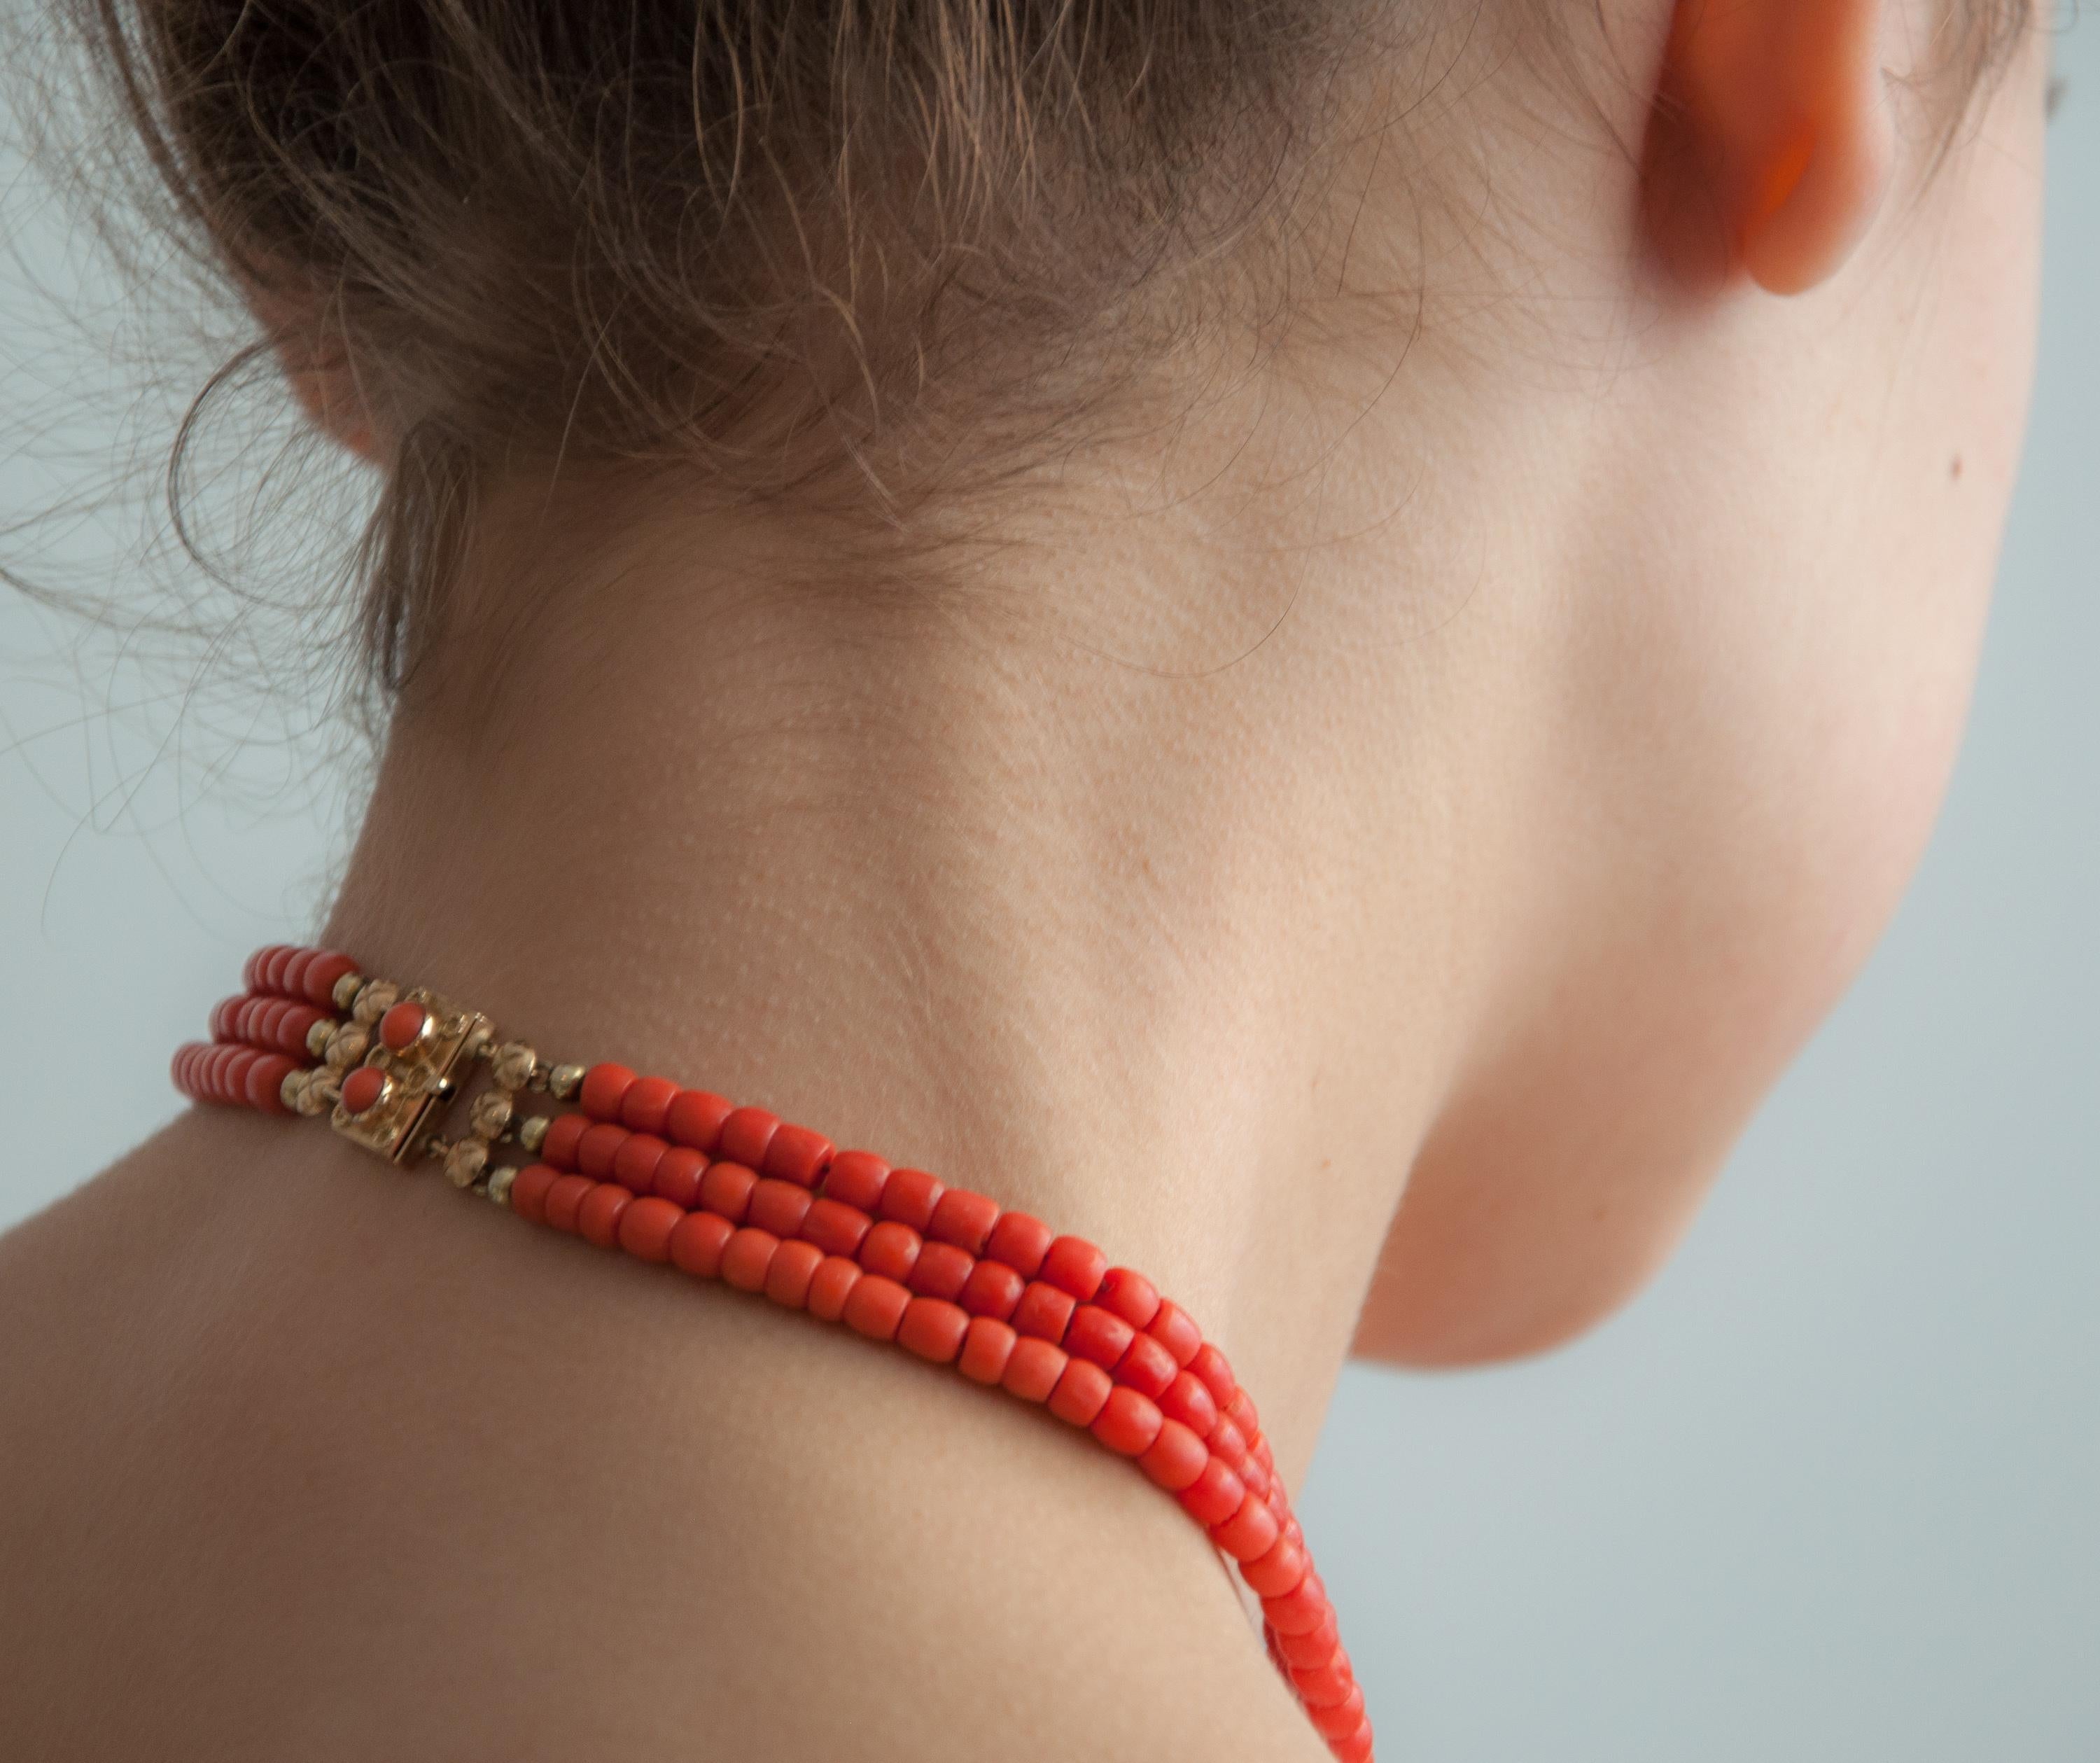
point(319, 371)
point(1770, 143)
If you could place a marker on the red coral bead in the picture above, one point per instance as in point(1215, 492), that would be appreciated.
point(891, 1249)
point(1174, 1329)
point(1211, 1365)
point(798, 1154)
point(787, 1280)
point(777, 1206)
point(1033, 1369)
point(565, 1134)
point(1082, 1392)
point(856, 1179)
point(836, 1229)
point(362, 1088)
point(1130, 1296)
point(1019, 1242)
point(1146, 1366)
point(1251, 1532)
point(647, 1105)
point(1300, 1610)
point(1188, 1400)
point(933, 1328)
point(831, 1286)
point(1129, 1423)
point(745, 1135)
point(402, 1027)
point(598, 1218)
point(1279, 1571)
point(645, 1227)
point(909, 1197)
point(1314, 1645)
point(697, 1244)
point(1176, 1459)
point(993, 1289)
point(1075, 1265)
point(1342, 1719)
point(874, 1307)
point(941, 1271)
point(1326, 1685)
point(598, 1147)
point(1043, 1311)
point(565, 1198)
point(725, 1189)
point(677, 1176)
point(987, 1345)
point(634, 1162)
point(695, 1119)
point(322, 976)
point(528, 1192)
point(1215, 1496)
point(1094, 1334)
point(605, 1086)
point(965, 1219)
point(747, 1258)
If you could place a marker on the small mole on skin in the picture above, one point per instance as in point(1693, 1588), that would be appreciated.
point(1954, 471)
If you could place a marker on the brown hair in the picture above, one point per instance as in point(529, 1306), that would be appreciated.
point(768, 241)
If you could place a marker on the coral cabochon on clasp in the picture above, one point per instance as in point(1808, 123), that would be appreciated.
point(683, 1178)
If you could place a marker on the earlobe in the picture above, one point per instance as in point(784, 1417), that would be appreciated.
point(320, 377)
point(1771, 144)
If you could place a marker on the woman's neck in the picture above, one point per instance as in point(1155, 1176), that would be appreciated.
point(1101, 885)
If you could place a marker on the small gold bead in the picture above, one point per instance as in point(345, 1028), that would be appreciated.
point(533, 1133)
point(374, 1001)
point(318, 1036)
point(512, 1066)
point(346, 1046)
point(565, 1081)
point(491, 1113)
point(499, 1185)
point(292, 1091)
point(465, 1161)
point(347, 989)
point(315, 1095)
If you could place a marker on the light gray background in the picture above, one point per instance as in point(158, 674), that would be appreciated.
point(1827, 1491)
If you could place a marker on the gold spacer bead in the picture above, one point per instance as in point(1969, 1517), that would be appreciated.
point(315, 1095)
point(346, 1046)
point(374, 1001)
point(533, 1133)
point(491, 1113)
point(347, 989)
point(499, 1185)
point(565, 1080)
point(318, 1037)
point(292, 1091)
point(464, 1162)
point(513, 1065)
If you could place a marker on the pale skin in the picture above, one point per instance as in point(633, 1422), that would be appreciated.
point(1630, 627)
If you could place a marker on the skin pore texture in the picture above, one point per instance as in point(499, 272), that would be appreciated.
point(1357, 849)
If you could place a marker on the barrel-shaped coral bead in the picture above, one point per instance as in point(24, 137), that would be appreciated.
point(317, 985)
point(725, 1189)
point(565, 1135)
point(1176, 1459)
point(1299, 1610)
point(777, 1206)
point(1343, 1718)
point(1356, 1748)
point(1082, 1390)
point(605, 1087)
point(1278, 1571)
point(1033, 1369)
point(1175, 1330)
point(1130, 1296)
point(1094, 1334)
point(697, 1245)
point(1043, 1311)
point(1314, 1645)
point(647, 1103)
point(528, 1190)
point(564, 1199)
point(941, 1271)
point(909, 1197)
point(987, 1344)
point(645, 1227)
point(933, 1328)
point(745, 1135)
point(1215, 1496)
point(875, 1307)
point(747, 1258)
point(1019, 1242)
point(992, 1289)
point(856, 1179)
point(890, 1249)
point(1075, 1265)
point(797, 1155)
point(677, 1176)
point(963, 1218)
point(266, 1078)
point(694, 1119)
point(1251, 1532)
point(831, 1285)
point(1240, 1411)
point(634, 1162)
point(1146, 1366)
point(363, 1087)
point(1212, 1367)
point(788, 1277)
point(597, 1148)
point(598, 1218)
point(1227, 1443)
point(1128, 1423)
point(836, 1228)
point(1188, 1400)
point(1326, 1686)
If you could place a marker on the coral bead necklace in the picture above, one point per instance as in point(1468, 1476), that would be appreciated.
point(682, 1178)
